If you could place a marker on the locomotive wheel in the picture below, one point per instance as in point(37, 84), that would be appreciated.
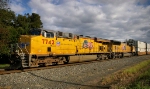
point(122, 55)
point(67, 59)
point(54, 63)
point(113, 56)
point(45, 64)
point(109, 56)
point(99, 57)
point(118, 55)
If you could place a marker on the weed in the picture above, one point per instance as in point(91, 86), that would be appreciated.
point(2, 66)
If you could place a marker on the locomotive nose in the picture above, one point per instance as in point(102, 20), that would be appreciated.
point(24, 44)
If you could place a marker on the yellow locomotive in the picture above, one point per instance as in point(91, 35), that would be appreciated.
point(48, 47)
point(121, 49)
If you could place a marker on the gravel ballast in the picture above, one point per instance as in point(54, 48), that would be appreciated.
point(69, 77)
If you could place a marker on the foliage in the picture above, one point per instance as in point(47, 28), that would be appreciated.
point(12, 26)
point(126, 75)
point(24, 23)
point(35, 21)
point(137, 67)
point(2, 66)
point(4, 40)
point(4, 4)
point(143, 81)
point(7, 18)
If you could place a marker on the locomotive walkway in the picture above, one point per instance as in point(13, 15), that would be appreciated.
point(85, 76)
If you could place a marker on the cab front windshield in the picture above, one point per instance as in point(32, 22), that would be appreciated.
point(35, 32)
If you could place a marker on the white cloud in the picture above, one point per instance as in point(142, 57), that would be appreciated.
point(17, 7)
point(111, 19)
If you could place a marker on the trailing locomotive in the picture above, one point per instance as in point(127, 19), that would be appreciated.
point(48, 47)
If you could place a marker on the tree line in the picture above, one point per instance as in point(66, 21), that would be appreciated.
point(13, 25)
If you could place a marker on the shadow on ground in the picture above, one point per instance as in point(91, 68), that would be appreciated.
point(77, 84)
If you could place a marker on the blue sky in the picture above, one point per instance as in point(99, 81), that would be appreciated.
point(20, 6)
point(110, 19)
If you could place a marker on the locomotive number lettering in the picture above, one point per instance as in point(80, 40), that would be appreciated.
point(46, 41)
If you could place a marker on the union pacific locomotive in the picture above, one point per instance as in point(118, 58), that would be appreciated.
point(47, 47)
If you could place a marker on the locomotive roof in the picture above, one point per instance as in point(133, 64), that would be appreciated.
point(115, 41)
point(98, 39)
point(48, 30)
point(103, 40)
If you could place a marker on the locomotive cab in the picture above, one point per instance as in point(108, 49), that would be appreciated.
point(41, 42)
point(33, 48)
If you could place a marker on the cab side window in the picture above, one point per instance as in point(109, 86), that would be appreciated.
point(101, 48)
point(49, 34)
point(43, 34)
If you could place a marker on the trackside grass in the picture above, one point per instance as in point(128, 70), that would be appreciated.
point(123, 78)
point(137, 67)
point(2, 66)
point(142, 82)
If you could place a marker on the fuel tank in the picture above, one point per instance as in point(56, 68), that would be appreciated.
point(82, 58)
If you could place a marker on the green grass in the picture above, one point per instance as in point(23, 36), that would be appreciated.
point(131, 72)
point(2, 66)
point(137, 67)
point(143, 81)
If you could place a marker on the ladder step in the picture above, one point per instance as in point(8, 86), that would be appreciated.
point(25, 66)
point(24, 60)
point(24, 63)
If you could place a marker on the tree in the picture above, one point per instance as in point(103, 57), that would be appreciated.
point(4, 4)
point(35, 21)
point(27, 22)
point(7, 18)
point(6, 15)
point(12, 26)
point(4, 40)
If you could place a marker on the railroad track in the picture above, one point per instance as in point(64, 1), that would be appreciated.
point(3, 71)
point(57, 76)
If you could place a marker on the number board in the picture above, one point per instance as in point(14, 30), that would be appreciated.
point(46, 41)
